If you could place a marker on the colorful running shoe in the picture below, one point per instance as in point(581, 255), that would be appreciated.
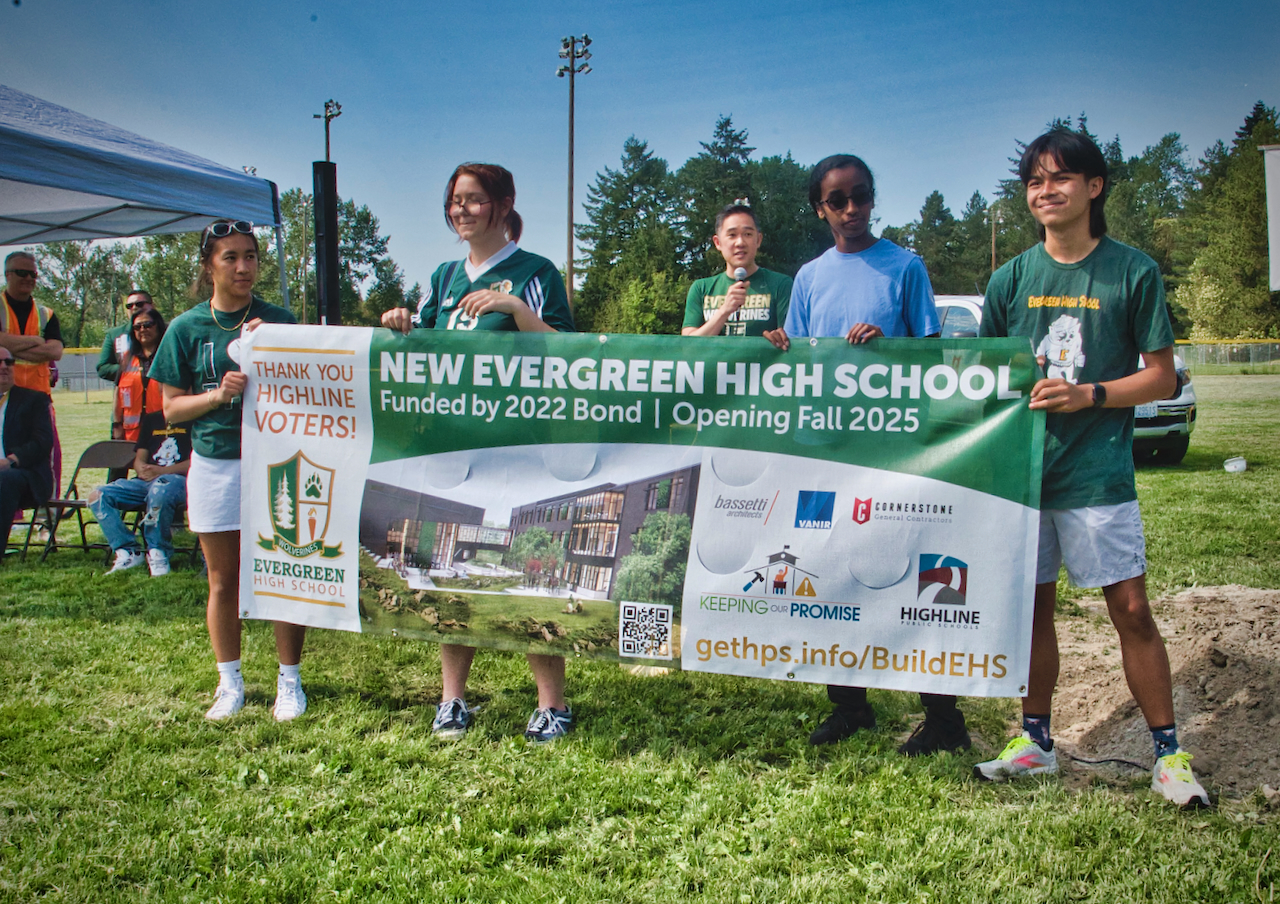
point(549, 724)
point(452, 720)
point(1173, 780)
point(1021, 756)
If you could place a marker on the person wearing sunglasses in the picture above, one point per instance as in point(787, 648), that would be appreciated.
point(116, 341)
point(861, 289)
point(26, 439)
point(498, 286)
point(202, 383)
point(162, 457)
point(32, 333)
point(136, 393)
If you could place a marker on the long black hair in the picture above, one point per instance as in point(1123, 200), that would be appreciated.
point(135, 347)
point(1071, 152)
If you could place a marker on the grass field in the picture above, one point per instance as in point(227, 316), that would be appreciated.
point(678, 788)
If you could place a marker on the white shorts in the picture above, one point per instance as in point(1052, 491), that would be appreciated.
point(1101, 544)
point(213, 494)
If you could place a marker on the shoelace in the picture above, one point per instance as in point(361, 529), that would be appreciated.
point(1178, 763)
point(541, 721)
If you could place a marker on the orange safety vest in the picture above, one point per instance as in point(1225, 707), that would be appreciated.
point(135, 396)
point(25, 373)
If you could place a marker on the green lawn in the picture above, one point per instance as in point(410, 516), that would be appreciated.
point(685, 787)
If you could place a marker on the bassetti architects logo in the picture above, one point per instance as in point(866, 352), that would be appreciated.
point(756, 508)
point(815, 509)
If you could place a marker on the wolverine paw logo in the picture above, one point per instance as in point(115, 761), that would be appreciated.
point(313, 487)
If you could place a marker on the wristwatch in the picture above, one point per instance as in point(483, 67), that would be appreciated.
point(1099, 395)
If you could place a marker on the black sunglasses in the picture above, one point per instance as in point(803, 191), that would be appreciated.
point(860, 196)
point(130, 305)
point(145, 325)
point(224, 229)
point(7, 362)
point(25, 274)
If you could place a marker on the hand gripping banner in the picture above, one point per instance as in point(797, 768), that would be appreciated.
point(852, 515)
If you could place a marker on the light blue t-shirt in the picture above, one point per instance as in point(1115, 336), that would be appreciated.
point(885, 286)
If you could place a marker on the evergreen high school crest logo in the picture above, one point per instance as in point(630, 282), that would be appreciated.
point(300, 493)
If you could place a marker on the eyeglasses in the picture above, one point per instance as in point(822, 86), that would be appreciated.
point(130, 305)
point(224, 229)
point(6, 362)
point(838, 200)
point(470, 205)
point(145, 325)
point(25, 274)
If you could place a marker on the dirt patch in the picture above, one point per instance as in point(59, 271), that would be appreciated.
point(1224, 651)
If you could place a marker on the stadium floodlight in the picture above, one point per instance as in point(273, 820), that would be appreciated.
point(573, 49)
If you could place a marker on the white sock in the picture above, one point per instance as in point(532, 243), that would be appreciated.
point(229, 673)
point(291, 671)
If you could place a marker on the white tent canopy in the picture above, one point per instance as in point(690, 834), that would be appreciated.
point(65, 176)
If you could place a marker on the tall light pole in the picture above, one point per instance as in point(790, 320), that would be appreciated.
point(332, 110)
point(573, 49)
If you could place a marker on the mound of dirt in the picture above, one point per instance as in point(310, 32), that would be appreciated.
point(1224, 651)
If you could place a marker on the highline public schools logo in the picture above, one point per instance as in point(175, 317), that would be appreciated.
point(942, 594)
point(300, 497)
point(815, 509)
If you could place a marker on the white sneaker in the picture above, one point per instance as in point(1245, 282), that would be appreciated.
point(227, 701)
point(291, 701)
point(158, 562)
point(1021, 756)
point(1173, 780)
point(126, 559)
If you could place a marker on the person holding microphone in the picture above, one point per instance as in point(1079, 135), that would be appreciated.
point(744, 300)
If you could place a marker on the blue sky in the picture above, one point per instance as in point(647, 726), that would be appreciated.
point(931, 94)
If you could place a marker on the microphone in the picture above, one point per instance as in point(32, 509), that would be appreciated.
point(740, 274)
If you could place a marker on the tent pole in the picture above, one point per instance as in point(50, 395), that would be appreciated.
point(284, 276)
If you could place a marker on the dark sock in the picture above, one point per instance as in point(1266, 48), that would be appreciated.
point(1166, 740)
point(1038, 727)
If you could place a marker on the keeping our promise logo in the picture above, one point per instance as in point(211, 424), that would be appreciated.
point(300, 494)
point(815, 509)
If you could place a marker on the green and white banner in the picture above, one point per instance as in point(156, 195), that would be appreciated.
point(851, 515)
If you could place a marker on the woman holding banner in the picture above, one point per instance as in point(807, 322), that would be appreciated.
point(497, 286)
point(197, 365)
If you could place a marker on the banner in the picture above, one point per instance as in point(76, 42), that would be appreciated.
point(853, 515)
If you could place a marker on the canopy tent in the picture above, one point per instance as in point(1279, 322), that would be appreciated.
point(66, 176)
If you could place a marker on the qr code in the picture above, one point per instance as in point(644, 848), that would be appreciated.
point(644, 630)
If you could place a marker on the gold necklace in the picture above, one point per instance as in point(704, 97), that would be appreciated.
point(213, 312)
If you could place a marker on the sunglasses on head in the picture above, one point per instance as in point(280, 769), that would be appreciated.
point(26, 274)
point(224, 229)
point(838, 200)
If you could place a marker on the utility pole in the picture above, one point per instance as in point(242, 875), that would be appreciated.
point(573, 49)
point(324, 181)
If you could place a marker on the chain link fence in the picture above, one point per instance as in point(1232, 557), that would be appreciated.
point(1231, 356)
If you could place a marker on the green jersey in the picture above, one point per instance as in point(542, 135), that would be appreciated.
point(530, 277)
point(768, 295)
point(194, 355)
point(1088, 322)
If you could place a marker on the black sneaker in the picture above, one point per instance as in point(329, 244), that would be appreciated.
point(932, 736)
point(841, 724)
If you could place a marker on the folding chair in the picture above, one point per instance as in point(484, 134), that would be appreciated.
point(39, 517)
point(109, 453)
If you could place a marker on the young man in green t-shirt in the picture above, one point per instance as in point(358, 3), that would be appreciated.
point(1090, 306)
point(744, 300)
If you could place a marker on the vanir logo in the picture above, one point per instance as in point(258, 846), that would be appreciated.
point(815, 509)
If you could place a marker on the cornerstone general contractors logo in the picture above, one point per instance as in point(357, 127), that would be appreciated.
point(300, 496)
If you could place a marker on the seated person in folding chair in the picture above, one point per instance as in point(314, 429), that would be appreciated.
point(26, 441)
point(162, 459)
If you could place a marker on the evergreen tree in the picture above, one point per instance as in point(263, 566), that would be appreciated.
point(629, 234)
point(284, 503)
point(1227, 289)
point(706, 184)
